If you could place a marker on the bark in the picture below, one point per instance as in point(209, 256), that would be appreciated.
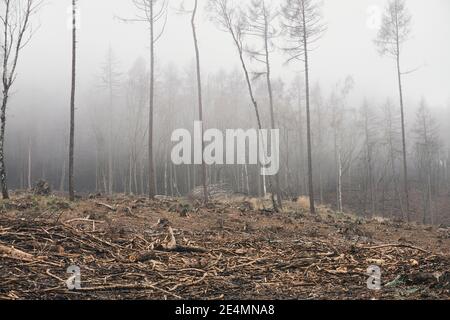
point(3, 181)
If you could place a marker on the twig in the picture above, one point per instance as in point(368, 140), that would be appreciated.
point(396, 245)
point(127, 287)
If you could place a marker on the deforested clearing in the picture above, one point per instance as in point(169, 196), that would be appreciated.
point(170, 248)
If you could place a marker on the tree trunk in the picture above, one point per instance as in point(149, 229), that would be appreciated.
point(271, 103)
point(63, 177)
point(308, 123)
point(72, 106)
point(3, 181)
point(29, 164)
point(405, 164)
point(151, 165)
point(110, 144)
point(370, 183)
point(339, 182)
point(200, 100)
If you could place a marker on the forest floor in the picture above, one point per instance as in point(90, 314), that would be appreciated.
point(133, 248)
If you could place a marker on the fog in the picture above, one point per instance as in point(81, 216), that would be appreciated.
point(38, 113)
point(345, 49)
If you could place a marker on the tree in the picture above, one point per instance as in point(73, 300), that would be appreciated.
point(261, 18)
point(17, 30)
point(151, 12)
point(395, 30)
point(303, 25)
point(194, 12)
point(72, 102)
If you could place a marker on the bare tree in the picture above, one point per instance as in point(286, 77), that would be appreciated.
point(394, 31)
point(17, 31)
point(151, 12)
point(261, 19)
point(303, 25)
point(72, 102)
point(194, 13)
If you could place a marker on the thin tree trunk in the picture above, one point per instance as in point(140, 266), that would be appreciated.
point(130, 174)
point(200, 100)
point(110, 144)
point(151, 165)
point(302, 171)
point(308, 122)
point(405, 163)
point(72, 106)
point(319, 158)
point(369, 162)
point(339, 183)
point(165, 176)
point(63, 177)
point(29, 164)
point(271, 103)
point(2, 144)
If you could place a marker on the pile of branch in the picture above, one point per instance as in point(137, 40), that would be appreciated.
point(215, 191)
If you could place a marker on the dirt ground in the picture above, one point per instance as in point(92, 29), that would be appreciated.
point(133, 248)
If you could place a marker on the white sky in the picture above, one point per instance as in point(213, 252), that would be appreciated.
point(346, 48)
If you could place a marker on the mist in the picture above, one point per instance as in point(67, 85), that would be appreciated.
point(38, 113)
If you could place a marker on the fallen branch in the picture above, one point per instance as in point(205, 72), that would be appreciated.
point(127, 287)
point(84, 220)
point(101, 204)
point(16, 254)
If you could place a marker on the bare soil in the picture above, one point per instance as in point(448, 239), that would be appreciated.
point(134, 248)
